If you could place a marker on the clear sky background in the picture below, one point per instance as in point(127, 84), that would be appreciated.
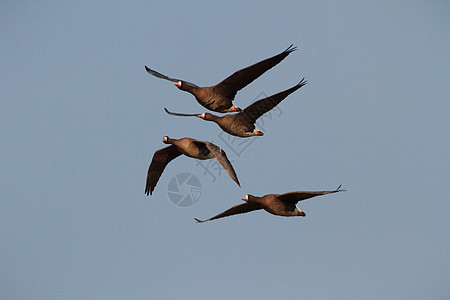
point(80, 120)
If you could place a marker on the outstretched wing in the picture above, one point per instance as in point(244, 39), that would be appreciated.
point(179, 114)
point(237, 209)
point(221, 156)
point(159, 75)
point(294, 197)
point(159, 162)
point(260, 107)
point(241, 78)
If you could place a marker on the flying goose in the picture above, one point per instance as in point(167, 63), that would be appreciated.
point(242, 124)
point(219, 98)
point(281, 205)
point(189, 147)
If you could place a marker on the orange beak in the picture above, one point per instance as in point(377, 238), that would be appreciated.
point(237, 109)
point(301, 213)
point(259, 133)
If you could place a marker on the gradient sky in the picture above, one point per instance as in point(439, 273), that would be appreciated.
point(80, 120)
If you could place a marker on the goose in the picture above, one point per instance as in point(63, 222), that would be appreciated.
point(242, 124)
point(276, 204)
point(219, 98)
point(189, 147)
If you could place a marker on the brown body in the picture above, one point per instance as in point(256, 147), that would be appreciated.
point(275, 206)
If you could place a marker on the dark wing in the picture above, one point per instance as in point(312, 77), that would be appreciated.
point(221, 156)
point(237, 209)
point(241, 78)
point(159, 162)
point(180, 115)
point(159, 75)
point(294, 197)
point(260, 107)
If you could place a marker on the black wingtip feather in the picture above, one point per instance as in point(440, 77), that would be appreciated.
point(156, 73)
point(199, 221)
point(290, 49)
point(148, 191)
point(339, 189)
point(180, 114)
point(302, 82)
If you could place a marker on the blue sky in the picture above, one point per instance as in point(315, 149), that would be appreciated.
point(81, 119)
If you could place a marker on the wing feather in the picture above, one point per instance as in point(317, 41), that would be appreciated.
point(241, 78)
point(159, 162)
point(159, 75)
point(222, 158)
point(180, 114)
point(294, 197)
point(237, 209)
point(260, 107)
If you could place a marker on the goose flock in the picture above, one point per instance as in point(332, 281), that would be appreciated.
point(241, 123)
